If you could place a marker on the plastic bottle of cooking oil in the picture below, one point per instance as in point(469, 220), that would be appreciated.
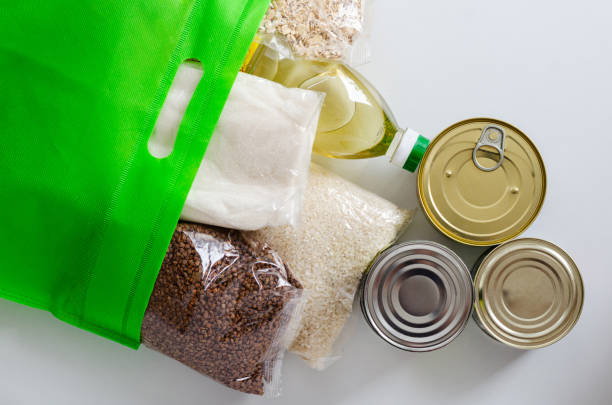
point(355, 121)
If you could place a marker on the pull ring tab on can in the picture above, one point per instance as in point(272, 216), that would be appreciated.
point(494, 137)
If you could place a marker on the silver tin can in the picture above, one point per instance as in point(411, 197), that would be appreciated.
point(417, 296)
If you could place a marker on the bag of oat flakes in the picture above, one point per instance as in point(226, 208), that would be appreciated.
point(323, 29)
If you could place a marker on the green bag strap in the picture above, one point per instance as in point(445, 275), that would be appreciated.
point(92, 259)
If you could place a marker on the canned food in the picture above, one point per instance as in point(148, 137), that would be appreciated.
point(417, 296)
point(529, 293)
point(482, 182)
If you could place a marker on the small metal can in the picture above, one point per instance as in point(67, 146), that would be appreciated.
point(529, 293)
point(417, 296)
point(482, 182)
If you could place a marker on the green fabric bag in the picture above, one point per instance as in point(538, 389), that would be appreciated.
point(86, 213)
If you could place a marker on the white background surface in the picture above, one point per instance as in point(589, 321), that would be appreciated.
point(544, 66)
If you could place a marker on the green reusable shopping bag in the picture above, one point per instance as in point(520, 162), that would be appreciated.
point(86, 213)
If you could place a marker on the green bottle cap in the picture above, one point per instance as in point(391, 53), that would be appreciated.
point(407, 149)
point(416, 154)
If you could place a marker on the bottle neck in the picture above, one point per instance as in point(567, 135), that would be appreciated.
point(407, 149)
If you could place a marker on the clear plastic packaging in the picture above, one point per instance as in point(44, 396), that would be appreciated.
point(255, 169)
point(323, 29)
point(225, 306)
point(342, 229)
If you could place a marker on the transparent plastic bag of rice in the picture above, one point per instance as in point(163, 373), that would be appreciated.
point(342, 229)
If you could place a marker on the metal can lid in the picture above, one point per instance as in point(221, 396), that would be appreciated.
point(482, 182)
point(417, 296)
point(529, 293)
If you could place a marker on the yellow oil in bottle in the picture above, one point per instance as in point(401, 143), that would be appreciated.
point(355, 121)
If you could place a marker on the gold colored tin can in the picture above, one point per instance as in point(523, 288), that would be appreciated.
point(482, 182)
point(529, 293)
